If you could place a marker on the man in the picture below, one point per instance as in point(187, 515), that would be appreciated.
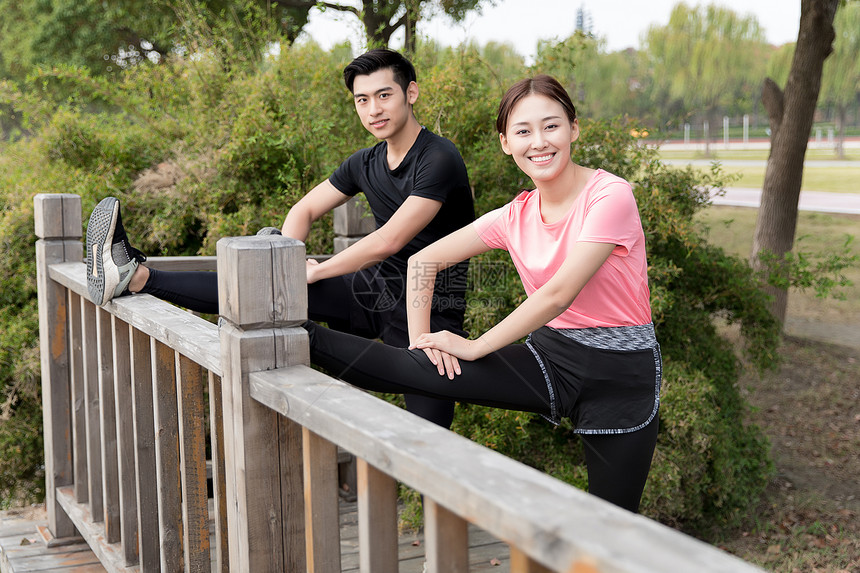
point(417, 188)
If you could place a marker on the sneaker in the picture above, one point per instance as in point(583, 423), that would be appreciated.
point(111, 261)
point(269, 231)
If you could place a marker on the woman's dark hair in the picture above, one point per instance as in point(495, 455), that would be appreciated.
point(544, 85)
point(379, 59)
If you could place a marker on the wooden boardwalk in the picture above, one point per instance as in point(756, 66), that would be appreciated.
point(22, 549)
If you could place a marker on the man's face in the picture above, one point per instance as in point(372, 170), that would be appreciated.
point(381, 104)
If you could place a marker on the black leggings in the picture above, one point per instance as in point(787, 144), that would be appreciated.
point(329, 300)
point(509, 378)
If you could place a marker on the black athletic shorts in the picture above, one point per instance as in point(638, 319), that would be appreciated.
point(607, 380)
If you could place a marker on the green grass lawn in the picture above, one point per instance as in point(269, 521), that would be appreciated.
point(732, 229)
point(758, 154)
point(831, 179)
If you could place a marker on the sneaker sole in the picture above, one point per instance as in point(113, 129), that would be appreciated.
point(102, 274)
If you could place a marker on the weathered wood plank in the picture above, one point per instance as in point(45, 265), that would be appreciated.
point(109, 554)
point(144, 453)
point(446, 539)
point(190, 335)
point(77, 389)
point(251, 448)
point(522, 563)
point(54, 345)
point(70, 561)
point(377, 519)
point(167, 457)
point(255, 307)
point(194, 263)
point(221, 557)
point(247, 295)
point(57, 216)
point(91, 409)
point(353, 219)
point(107, 425)
point(57, 223)
point(292, 493)
point(123, 406)
point(540, 515)
point(192, 455)
point(321, 511)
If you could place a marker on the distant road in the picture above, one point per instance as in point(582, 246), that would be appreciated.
point(823, 202)
point(758, 162)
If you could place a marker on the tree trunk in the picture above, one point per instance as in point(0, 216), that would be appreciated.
point(791, 115)
point(841, 113)
point(378, 27)
point(410, 43)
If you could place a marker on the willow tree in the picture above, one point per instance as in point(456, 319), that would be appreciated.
point(791, 114)
point(706, 58)
point(841, 77)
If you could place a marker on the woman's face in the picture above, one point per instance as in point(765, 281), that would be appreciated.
point(538, 137)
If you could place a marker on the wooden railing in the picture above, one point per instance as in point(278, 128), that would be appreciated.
point(139, 394)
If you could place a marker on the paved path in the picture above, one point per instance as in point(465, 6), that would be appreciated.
point(824, 202)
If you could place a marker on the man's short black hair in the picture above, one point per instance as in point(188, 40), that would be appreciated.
point(379, 59)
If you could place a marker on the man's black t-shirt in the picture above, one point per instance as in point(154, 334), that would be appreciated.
point(433, 169)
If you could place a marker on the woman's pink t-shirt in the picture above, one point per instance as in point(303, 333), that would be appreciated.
point(604, 212)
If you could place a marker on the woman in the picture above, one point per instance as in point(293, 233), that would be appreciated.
point(591, 353)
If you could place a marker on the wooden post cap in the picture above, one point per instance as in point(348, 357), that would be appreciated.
point(262, 281)
point(352, 219)
point(57, 215)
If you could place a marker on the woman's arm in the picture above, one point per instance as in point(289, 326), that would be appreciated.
point(543, 305)
point(422, 269)
point(426, 264)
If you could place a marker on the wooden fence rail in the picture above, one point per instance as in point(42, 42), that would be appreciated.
point(143, 400)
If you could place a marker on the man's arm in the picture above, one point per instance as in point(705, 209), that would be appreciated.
point(316, 203)
point(410, 218)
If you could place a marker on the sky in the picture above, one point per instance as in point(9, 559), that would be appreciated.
point(523, 22)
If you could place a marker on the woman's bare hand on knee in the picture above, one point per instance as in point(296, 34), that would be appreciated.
point(445, 349)
point(444, 362)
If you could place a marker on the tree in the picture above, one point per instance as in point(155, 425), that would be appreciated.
point(382, 18)
point(791, 115)
point(603, 85)
point(105, 35)
point(841, 76)
point(706, 57)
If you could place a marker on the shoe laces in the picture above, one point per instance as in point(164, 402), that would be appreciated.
point(135, 254)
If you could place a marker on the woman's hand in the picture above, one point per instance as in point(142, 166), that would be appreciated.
point(445, 350)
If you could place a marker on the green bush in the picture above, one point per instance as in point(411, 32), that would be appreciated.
point(197, 150)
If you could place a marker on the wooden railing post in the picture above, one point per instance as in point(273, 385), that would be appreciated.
point(377, 519)
point(352, 221)
point(446, 539)
point(58, 226)
point(262, 298)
